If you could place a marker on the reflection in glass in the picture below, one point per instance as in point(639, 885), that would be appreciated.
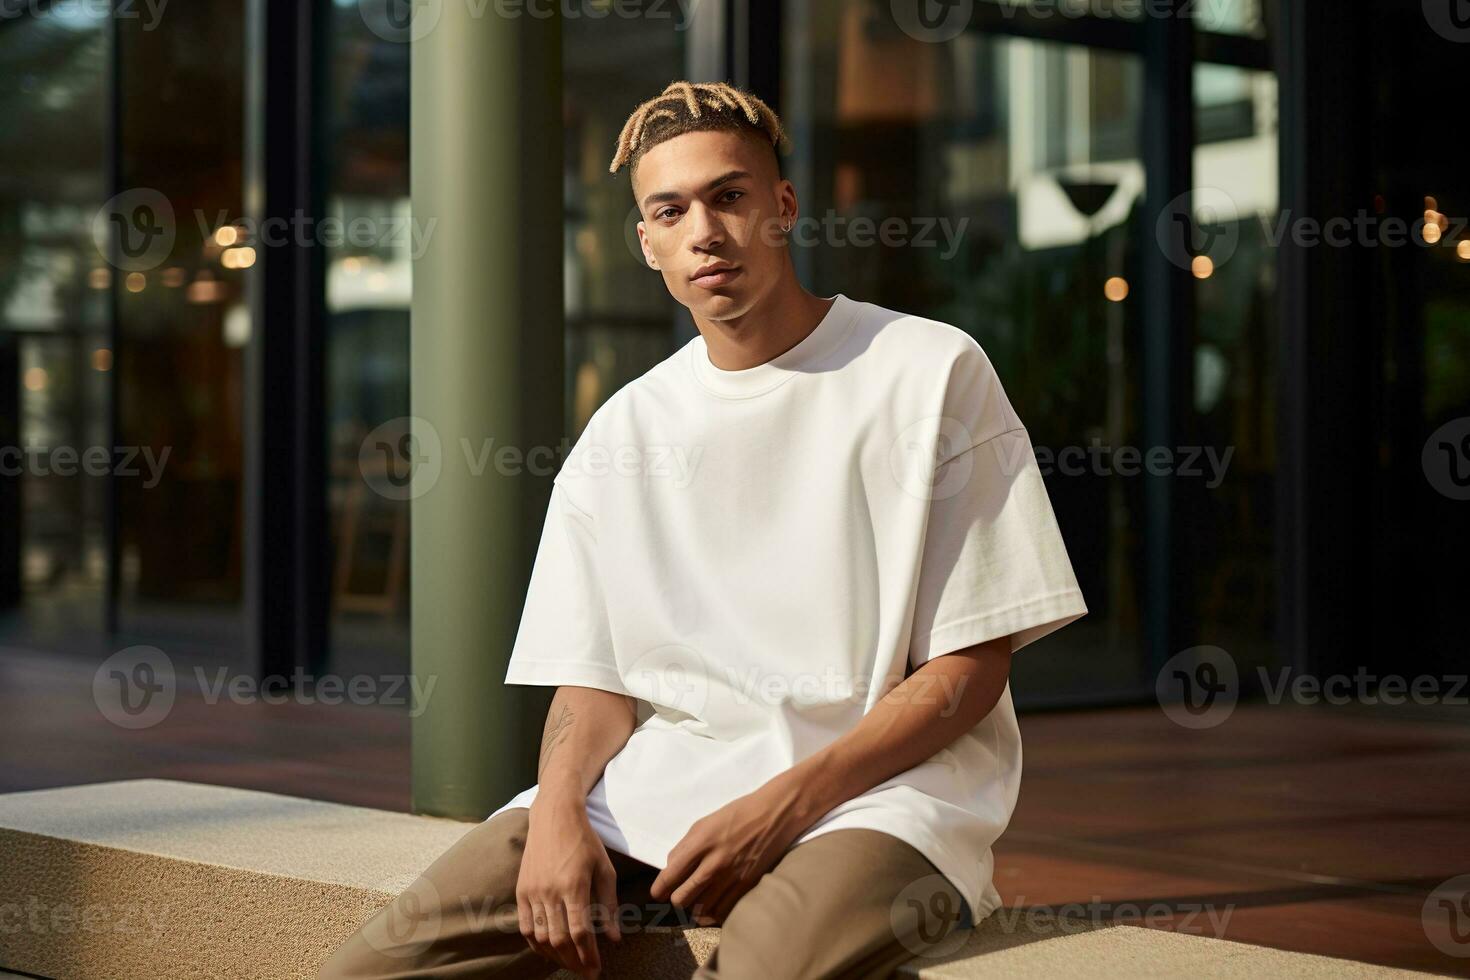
point(368, 289)
point(1013, 168)
point(620, 318)
point(1239, 17)
point(1228, 528)
point(55, 356)
point(183, 323)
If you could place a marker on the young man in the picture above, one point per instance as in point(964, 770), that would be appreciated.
point(778, 589)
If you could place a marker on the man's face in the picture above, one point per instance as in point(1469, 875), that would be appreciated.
point(713, 205)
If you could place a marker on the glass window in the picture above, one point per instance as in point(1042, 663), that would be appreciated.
point(55, 352)
point(1012, 169)
point(1228, 530)
point(1239, 17)
point(364, 148)
point(183, 323)
point(620, 318)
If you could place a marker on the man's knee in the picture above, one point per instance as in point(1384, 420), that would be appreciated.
point(850, 903)
point(470, 888)
point(485, 862)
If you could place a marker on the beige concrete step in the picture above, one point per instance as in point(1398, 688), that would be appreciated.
point(155, 878)
point(1045, 948)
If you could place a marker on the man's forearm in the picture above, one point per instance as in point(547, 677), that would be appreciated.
point(584, 729)
point(935, 705)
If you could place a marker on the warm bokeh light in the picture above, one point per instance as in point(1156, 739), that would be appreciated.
point(102, 359)
point(1203, 267)
point(1463, 249)
point(1116, 289)
point(1431, 233)
point(35, 379)
point(226, 235)
point(352, 265)
point(99, 278)
point(238, 258)
point(136, 282)
point(173, 277)
point(1430, 204)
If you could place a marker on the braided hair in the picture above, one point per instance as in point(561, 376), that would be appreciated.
point(689, 107)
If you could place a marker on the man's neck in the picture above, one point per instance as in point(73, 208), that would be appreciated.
point(774, 325)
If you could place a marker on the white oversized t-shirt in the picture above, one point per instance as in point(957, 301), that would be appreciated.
point(759, 555)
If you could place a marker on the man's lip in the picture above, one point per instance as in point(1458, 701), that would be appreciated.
point(716, 277)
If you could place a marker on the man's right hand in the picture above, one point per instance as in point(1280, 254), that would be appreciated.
point(567, 888)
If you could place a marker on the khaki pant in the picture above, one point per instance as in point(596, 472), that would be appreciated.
point(849, 903)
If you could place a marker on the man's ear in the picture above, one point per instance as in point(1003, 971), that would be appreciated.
point(786, 198)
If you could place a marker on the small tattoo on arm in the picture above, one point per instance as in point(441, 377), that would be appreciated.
point(555, 734)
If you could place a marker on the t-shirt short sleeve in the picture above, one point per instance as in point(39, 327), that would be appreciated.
point(564, 637)
point(993, 562)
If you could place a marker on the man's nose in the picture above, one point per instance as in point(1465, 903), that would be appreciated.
point(706, 231)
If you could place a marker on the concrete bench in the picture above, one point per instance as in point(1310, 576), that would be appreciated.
point(154, 879)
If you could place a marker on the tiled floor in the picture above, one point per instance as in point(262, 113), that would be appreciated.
point(1320, 830)
point(1305, 829)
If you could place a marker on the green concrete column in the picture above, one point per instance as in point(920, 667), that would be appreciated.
point(487, 353)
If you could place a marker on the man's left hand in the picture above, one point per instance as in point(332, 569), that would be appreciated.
point(725, 853)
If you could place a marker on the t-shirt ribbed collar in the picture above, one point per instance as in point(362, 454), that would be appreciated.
point(824, 339)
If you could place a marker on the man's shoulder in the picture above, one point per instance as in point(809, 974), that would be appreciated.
point(923, 360)
point(650, 392)
point(912, 345)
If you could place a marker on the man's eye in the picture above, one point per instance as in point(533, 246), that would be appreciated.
point(665, 213)
point(731, 196)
